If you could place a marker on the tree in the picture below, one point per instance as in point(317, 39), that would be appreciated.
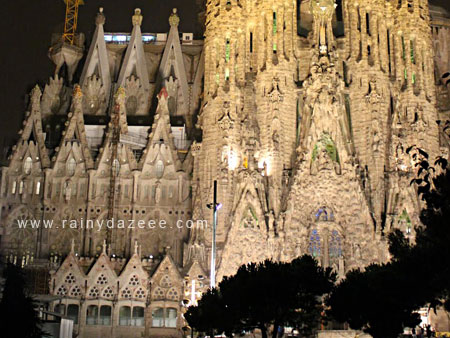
point(429, 256)
point(264, 295)
point(382, 299)
point(211, 315)
point(379, 300)
point(17, 311)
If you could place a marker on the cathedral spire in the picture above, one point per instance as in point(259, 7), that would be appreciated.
point(74, 142)
point(161, 138)
point(134, 62)
point(172, 63)
point(32, 133)
point(97, 63)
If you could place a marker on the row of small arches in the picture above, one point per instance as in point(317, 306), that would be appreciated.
point(107, 292)
point(102, 279)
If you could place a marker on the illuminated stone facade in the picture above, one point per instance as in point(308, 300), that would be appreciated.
point(303, 111)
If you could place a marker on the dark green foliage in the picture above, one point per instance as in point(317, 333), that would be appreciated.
point(17, 312)
point(430, 256)
point(264, 295)
point(381, 300)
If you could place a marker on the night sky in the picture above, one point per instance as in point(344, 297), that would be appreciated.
point(26, 27)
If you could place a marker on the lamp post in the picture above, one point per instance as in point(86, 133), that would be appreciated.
point(215, 206)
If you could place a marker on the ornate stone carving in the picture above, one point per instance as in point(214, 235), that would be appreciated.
point(322, 11)
point(373, 97)
point(54, 98)
point(174, 19)
point(275, 95)
point(137, 17)
point(227, 118)
point(135, 102)
point(94, 101)
point(377, 138)
point(100, 18)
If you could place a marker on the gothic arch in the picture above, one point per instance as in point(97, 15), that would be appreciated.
point(248, 238)
point(154, 241)
point(61, 237)
point(22, 237)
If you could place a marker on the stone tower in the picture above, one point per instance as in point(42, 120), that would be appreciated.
point(249, 113)
point(388, 70)
point(308, 111)
point(284, 114)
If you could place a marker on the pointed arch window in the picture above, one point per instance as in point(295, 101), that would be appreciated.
point(72, 312)
point(158, 317)
point(14, 187)
point(105, 315)
point(315, 246)
point(125, 316)
point(21, 185)
point(60, 308)
point(159, 168)
point(335, 245)
point(138, 316)
point(171, 317)
point(27, 165)
point(38, 187)
point(324, 214)
point(71, 166)
point(92, 315)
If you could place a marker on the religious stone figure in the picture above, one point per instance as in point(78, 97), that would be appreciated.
point(275, 95)
point(158, 194)
point(137, 17)
point(376, 139)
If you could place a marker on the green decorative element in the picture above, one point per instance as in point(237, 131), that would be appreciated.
point(405, 217)
point(274, 23)
point(227, 51)
point(274, 47)
point(249, 212)
point(298, 120)
point(413, 78)
point(406, 74)
point(413, 59)
point(253, 215)
point(348, 111)
point(406, 220)
point(217, 78)
point(327, 143)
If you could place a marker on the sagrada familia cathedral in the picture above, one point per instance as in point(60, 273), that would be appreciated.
point(305, 113)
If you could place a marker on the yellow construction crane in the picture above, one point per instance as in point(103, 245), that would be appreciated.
point(70, 26)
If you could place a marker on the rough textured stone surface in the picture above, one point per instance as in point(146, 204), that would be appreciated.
point(305, 123)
